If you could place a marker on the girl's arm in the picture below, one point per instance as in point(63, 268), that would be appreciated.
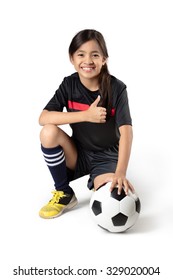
point(125, 143)
point(58, 118)
point(93, 114)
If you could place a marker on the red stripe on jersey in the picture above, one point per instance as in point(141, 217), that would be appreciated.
point(112, 112)
point(77, 106)
point(83, 107)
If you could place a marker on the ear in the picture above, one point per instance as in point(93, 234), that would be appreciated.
point(71, 59)
point(104, 61)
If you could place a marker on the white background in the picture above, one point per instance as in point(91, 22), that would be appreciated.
point(35, 36)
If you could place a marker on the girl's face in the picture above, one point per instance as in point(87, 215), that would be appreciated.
point(88, 60)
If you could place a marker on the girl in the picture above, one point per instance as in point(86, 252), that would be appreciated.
point(98, 113)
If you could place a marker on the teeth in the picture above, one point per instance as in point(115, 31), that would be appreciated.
point(87, 68)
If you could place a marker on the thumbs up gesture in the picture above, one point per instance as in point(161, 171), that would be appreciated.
point(96, 114)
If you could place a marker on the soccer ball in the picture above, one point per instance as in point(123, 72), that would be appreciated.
point(113, 212)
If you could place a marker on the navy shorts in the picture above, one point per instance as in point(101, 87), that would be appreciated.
point(93, 163)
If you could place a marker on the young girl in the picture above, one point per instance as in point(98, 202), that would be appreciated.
point(98, 113)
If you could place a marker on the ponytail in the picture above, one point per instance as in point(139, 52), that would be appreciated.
point(105, 90)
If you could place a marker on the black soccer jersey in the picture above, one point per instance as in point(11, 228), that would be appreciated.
point(74, 96)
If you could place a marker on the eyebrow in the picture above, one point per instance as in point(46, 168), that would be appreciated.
point(91, 52)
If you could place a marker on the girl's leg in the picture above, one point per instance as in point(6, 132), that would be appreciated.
point(59, 152)
point(52, 136)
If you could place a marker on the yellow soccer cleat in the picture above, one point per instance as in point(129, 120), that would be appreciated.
point(59, 202)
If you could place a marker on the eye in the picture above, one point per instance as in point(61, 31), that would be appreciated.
point(80, 54)
point(95, 55)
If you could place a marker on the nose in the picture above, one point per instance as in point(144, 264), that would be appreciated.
point(88, 60)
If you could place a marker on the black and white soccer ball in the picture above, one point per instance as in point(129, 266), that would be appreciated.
point(113, 212)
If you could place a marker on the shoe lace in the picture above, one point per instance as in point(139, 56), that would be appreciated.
point(56, 197)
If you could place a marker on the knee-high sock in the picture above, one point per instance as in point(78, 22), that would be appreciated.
point(55, 160)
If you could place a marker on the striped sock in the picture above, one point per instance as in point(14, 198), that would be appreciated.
point(55, 160)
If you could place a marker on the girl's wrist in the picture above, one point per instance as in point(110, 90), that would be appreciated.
point(84, 116)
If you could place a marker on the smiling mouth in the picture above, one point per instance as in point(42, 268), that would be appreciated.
point(88, 69)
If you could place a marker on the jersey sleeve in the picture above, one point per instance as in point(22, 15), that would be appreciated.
point(59, 100)
point(123, 116)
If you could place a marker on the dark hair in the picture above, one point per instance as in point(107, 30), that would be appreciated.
point(104, 78)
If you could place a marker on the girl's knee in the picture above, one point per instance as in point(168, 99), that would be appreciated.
point(48, 135)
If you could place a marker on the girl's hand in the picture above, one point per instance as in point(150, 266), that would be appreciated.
point(96, 114)
point(119, 180)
